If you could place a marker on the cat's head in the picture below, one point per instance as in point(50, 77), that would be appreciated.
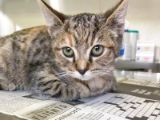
point(85, 45)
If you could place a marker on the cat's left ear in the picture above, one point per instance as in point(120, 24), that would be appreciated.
point(115, 23)
point(116, 18)
point(54, 19)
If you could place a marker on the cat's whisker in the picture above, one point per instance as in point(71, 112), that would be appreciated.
point(105, 70)
point(65, 74)
point(109, 68)
point(61, 72)
point(102, 72)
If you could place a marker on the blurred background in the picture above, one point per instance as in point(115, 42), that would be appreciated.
point(141, 44)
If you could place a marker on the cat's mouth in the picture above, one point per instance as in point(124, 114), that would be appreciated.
point(85, 77)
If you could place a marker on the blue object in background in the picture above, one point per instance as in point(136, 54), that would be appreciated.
point(121, 52)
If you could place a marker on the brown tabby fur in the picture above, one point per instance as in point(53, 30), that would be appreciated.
point(32, 59)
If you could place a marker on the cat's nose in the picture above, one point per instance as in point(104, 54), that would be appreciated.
point(82, 66)
point(82, 71)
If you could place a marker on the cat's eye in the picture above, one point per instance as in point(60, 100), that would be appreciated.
point(97, 50)
point(68, 52)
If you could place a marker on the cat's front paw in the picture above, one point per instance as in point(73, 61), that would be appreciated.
point(58, 89)
point(69, 93)
point(51, 88)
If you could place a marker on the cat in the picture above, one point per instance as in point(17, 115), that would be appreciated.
point(69, 58)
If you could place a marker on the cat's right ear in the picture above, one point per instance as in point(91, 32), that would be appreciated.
point(54, 19)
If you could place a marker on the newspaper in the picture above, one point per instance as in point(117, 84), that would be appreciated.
point(14, 103)
point(110, 106)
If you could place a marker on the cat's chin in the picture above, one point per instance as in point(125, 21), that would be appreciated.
point(84, 79)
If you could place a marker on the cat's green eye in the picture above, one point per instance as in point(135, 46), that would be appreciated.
point(97, 50)
point(68, 52)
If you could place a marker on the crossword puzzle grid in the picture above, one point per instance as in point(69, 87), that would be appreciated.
point(131, 107)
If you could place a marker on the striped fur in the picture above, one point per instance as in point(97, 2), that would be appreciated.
point(32, 59)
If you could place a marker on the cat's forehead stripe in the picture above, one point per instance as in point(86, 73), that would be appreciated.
point(84, 27)
point(69, 39)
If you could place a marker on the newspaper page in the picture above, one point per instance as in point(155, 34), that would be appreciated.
point(110, 106)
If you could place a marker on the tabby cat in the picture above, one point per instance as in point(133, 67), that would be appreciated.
point(70, 58)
